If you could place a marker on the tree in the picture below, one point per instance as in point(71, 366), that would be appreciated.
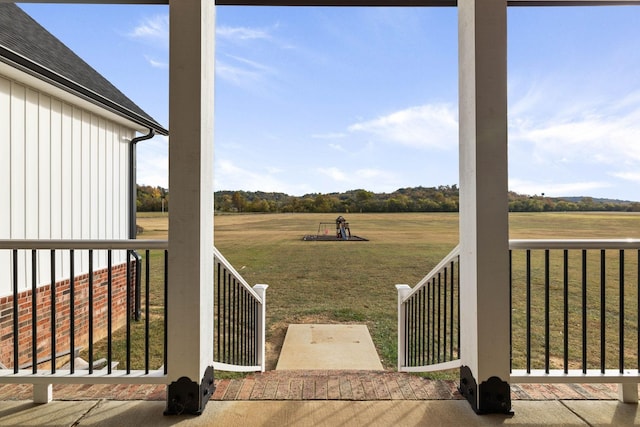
point(238, 201)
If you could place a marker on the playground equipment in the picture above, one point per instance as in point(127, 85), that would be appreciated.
point(342, 232)
point(342, 228)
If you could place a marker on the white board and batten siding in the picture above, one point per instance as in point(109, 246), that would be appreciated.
point(63, 175)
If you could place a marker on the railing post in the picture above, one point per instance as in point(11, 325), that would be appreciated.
point(190, 290)
point(42, 393)
point(403, 291)
point(261, 290)
point(628, 392)
point(484, 222)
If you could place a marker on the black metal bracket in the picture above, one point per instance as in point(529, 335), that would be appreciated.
point(494, 397)
point(186, 397)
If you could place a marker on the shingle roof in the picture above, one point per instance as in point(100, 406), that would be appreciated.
point(26, 44)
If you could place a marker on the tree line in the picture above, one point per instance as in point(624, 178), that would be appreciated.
point(444, 198)
point(152, 199)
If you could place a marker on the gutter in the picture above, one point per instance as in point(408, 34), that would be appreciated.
point(132, 182)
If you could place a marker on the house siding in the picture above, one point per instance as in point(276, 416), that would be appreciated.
point(63, 175)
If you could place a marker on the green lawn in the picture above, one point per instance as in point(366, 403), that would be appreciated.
point(354, 281)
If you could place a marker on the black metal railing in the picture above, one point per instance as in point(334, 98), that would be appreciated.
point(429, 333)
point(575, 307)
point(74, 299)
point(575, 312)
point(238, 320)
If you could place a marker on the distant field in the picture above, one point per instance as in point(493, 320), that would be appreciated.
point(354, 281)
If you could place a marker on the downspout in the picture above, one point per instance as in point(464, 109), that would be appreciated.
point(133, 189)
point(133, 232)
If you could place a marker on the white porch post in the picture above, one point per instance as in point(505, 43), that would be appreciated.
point(484, 227)
point(190, 296)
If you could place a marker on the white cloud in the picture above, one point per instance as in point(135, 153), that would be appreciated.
point(607, 138)
point(333, 173)
point(628, 176)
point(555, 189)
point(236, 75)
point(229, 176)
point(359, 178)
point(377, 174)
point(243, 72)
point(425, 126)
point(156, 64)
point(329, 135)
point(241, 33)
point(153, 29)
point(153, 162)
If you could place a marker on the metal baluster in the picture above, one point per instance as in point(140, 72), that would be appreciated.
point(166, 293)
point(546, 311)
point(90, 284)
point(566, 311)
point(584, 311)
point(621, 314)
point(109, 312)
point(451, 312)
point(217, 316)
point(53, 310)
point(127, 311)
point(528, 310)
point(603, 312)
point(439, 316)
point(34, 314)
point(147, 307)
point(16, 360)
point(444, 317)
point(72, 313)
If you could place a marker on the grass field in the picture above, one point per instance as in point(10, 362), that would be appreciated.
point(353, 282)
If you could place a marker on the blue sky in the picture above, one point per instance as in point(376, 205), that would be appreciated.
point(319, 100)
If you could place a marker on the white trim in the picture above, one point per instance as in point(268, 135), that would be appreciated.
point(33, 82)
point(574, 244)
point(236, 368)
point(64, 376)
point(455, 252)
point(237, 276)
point(575, 376)
point(83, 244)
point(452, 364)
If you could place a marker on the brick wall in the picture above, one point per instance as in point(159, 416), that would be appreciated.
point(63, 315)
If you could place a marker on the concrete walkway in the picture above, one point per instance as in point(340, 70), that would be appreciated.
point(317, 346)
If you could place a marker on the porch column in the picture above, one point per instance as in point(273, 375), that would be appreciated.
point(484, 227)
point(190, 295)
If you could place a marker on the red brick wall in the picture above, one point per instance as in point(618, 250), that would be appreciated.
point(63, 314)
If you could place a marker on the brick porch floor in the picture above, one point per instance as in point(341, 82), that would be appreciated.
point(319, 385)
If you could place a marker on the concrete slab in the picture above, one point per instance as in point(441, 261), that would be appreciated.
point(606, 413)
point(52, 414)
point(310, 413)
point(316, 347)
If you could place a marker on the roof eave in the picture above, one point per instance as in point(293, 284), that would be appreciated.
point(20, 62)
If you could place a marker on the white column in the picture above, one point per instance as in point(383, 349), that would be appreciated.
point(190, 296)
point(484, 227)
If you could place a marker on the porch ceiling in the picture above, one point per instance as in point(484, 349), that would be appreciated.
point(419, 3)
point(390, 3)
